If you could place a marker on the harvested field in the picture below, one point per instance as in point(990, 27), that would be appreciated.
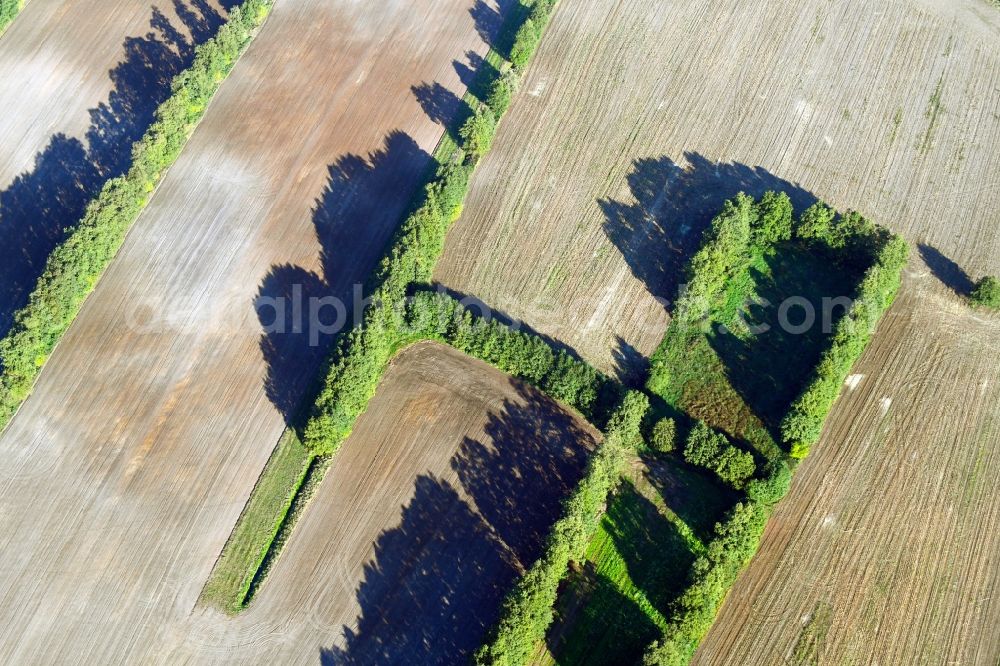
point(443, 492)
point(889, 108)
point(886, 549)
point(638, 123)
point(152, 420)
point(80, 84)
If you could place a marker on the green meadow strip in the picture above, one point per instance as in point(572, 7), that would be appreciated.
point(75, 266)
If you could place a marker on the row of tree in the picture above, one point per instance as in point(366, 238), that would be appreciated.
point(527, 610)
point(432, 315)
point(360, 357)
point(803, 423)
point(74, 266)
point(733, 544)
point(742, 230)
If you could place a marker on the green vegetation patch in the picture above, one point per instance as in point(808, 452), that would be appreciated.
point(656, 525)
point(229, 585)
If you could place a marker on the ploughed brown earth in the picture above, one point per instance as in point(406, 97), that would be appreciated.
point(127, 468)
point(440, 497)
point(635, 122)
point(81, 81)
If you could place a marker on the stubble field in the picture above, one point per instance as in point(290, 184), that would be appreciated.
point(635, 125)
point(128, 466)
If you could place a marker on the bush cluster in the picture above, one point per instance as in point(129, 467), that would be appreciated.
point(773, 488)
point(801, 427)
point(528, 610)
point(707, 448)
point(733, 544)
point(75, 265)
point(986, 293)
point(530, 33)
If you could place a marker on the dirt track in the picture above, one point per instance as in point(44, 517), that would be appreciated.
point(444, 490)
point(80, 83)
point(125, 471)
point(639, 119)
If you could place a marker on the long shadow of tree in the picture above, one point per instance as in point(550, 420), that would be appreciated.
point(659, 231)
point(609, 626)
point(533, 455)
point(353, 218)
point(434, 587)
point(39, 207)
point(951, 274)
point(437, 580)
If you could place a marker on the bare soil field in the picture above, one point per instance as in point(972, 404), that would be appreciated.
point(442, 494)
point(638, 120)
point(886, 550)
point(127, 468)
point(80, 84)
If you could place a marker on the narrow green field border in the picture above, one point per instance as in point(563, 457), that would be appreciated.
point(75, 266)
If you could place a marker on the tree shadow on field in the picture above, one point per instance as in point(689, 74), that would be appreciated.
point(660, 228)
point(490, 22)
point(656, 560)
point(355, 218)
point(302, 310)
point(769, 368)
point(946, 270)
point(39, 207)
point(434, 587)
point(437, 581)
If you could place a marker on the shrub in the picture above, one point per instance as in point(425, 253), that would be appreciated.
point(987, 293)
point(814, 224)
point(525, 42)
point(477, 132)
point(703, 445)
point(664, 437)
point(734, 466)
point(501, 93)
point(773, 488)
point(774, 219)
point(708, 448)
point(8, 10)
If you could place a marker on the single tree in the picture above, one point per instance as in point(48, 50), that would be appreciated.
point(987, 293)
point(664, 436)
